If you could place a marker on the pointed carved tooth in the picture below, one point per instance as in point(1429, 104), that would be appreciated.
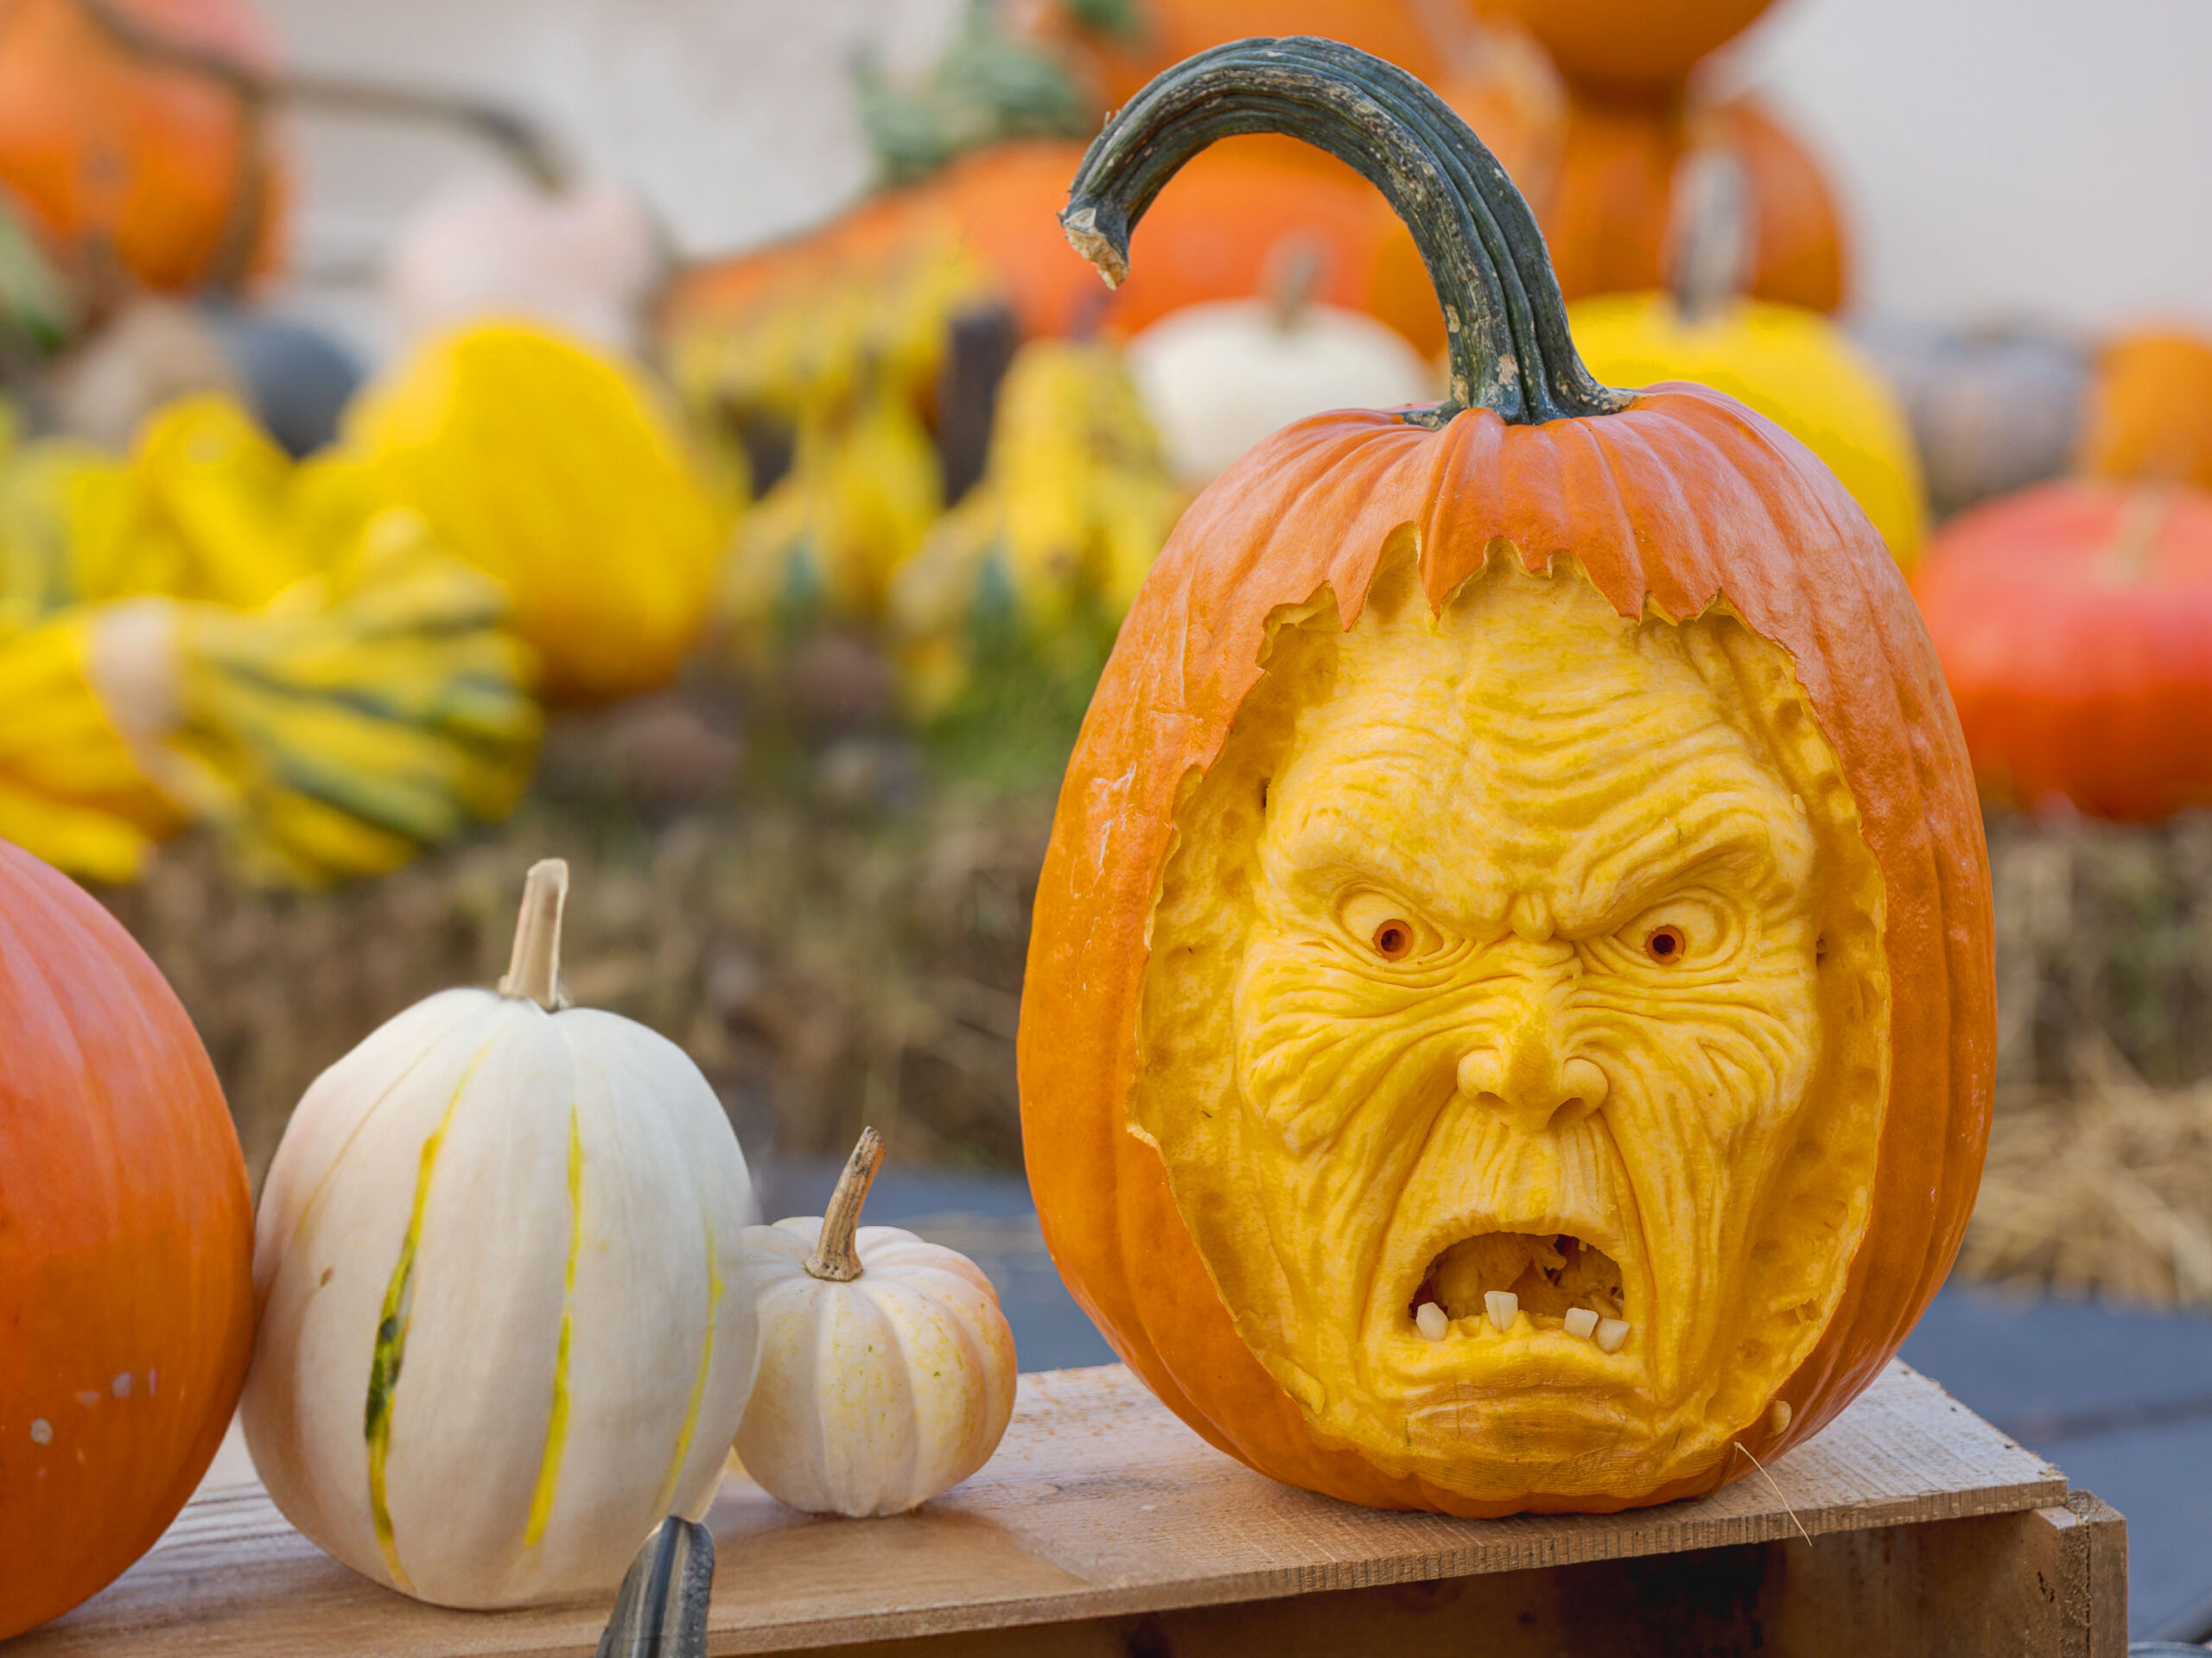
point(1612, 1332)
point(1580, 1321)
point(1504, 1307)
point(1433, 1322)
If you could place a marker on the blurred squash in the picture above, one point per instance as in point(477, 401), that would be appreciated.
point(558, 471)
point(1075, 504)
point(205, 507)
point(1210, 236)
point(126, 162)
point(1993, 408)
point(828, 539)
point(2150, 411)
point(72, 790)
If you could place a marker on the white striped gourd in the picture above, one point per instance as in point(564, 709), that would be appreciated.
point(497, 1258)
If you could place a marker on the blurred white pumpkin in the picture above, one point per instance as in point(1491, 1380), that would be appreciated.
point(583, 257)
point(1218, 376)
point(501, 1334)
point(886, 1370)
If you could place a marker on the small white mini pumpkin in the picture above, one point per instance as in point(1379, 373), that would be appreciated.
point(1217, 376)
point(886, 1370)
point(501, 1336)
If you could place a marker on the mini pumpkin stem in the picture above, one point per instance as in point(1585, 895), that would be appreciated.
point(1296, 275)
point(833, 1257)
point(1511, 350)
point(534, 971)
point(1711, 236)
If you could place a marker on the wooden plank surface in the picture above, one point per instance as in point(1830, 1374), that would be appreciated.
point(1099, 1503)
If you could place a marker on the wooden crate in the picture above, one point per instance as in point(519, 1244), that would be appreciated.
point(1105, 1526)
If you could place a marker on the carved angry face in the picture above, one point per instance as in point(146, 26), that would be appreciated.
point(1514, 1031)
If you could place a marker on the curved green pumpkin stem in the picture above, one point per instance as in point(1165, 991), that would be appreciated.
point(1503, 313)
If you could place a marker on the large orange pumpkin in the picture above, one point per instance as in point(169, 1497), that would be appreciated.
point(2074, 623)
point(1509, 1022)
point(126, 1244)
point(120, 158)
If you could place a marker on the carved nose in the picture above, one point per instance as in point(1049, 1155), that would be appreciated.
point(1525, 1081)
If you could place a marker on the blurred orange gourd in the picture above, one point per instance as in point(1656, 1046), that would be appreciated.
point(123, 161)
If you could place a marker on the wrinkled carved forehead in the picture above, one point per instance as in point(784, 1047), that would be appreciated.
point(1530, 739)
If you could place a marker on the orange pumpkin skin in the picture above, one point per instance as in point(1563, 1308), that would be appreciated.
point(126, 1239)
point(2150, 412)
point(115, 159)
point(1682, 500)
point(2074, 624)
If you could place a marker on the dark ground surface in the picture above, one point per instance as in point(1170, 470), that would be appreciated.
point(2121, 1400)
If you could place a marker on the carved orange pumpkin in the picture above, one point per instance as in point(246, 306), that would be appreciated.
point(126, 1244)
point(1509, 1021)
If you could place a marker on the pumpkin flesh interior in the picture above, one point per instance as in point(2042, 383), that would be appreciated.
point(1516, 796)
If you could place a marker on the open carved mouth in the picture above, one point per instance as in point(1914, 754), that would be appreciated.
point(1553, 1280)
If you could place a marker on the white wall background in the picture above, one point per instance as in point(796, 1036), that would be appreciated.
point(2039, 156)
point(1997, 156)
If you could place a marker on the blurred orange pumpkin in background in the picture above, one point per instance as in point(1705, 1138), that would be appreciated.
point(2074, 621)
point(1418, 39)
point(2150, 408)
point(132, 166)
point(126, 1244)
point(1622, 44)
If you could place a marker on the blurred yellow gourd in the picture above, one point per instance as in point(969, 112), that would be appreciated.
point(863, 488)
point(1074, 502)
point(205, 507)
point(371, 711)
point(558, 471)
point(1794, 366)
point(72, 790)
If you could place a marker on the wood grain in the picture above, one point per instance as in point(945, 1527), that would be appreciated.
point(1098, 1505)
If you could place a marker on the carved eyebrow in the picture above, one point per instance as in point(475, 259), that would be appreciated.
point(1607, 878)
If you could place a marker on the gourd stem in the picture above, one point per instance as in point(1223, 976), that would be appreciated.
point(1503, 317)
point(833, 1257)
point(534, 971)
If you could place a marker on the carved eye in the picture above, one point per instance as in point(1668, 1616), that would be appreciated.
point(1666, 944)
point(1393, 940)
